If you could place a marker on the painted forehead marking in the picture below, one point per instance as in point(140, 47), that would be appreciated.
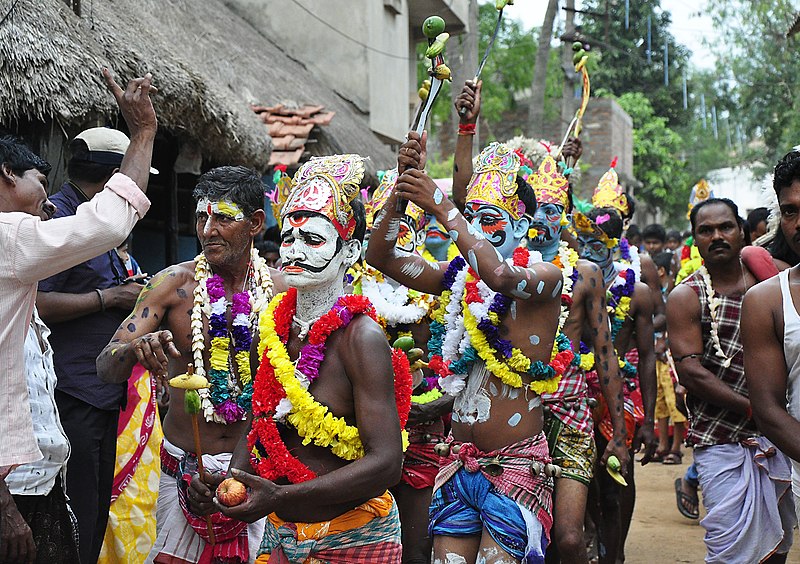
point(220, 207)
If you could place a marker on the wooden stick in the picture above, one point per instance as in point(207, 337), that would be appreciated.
point(199, 452)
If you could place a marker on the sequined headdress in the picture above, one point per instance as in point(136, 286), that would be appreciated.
point(585, 226)
point(494, 181)
point(549, 185)
point(327, 185)
point(382, 193)
point(608, 193)
point(700, 193)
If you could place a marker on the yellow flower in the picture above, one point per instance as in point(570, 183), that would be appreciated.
point(218, 355)
point(426, 397)
point(587, 361)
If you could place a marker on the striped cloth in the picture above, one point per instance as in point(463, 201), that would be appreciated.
point(420, 461)
point(31, 250)
point(574, 414)
point(516, 481)
point(709, 423)
point(368, 534)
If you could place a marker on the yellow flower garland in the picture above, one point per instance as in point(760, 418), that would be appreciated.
point(218, 359)
point(427, 397)
point(312, 420)
point(506, 371)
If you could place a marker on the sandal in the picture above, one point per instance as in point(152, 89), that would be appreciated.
point(673, 457)
point(658, 456)
point(688, 506)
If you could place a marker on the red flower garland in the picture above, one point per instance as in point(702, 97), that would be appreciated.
point(269, 455)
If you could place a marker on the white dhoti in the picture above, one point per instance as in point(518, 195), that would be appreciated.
point(176, 540)
point(750, 510)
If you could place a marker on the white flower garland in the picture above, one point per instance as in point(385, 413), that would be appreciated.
point(393, 304)
point(260, 294)
point(713, 304)
point(567, 270)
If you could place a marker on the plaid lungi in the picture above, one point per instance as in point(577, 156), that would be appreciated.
point(364, 535)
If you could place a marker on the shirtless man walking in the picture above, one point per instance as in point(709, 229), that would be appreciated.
point(492, 499)
point(187, 314)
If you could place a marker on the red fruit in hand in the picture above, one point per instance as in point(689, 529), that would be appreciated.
point(231, 492)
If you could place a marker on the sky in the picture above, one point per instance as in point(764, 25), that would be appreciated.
point(689, 22)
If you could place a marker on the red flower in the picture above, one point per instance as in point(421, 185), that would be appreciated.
point(521, 256)
point(472, 293)
point(566, 299)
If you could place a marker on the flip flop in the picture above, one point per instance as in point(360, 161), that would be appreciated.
point(658, 456)
point(673, 457)
point(684, 498)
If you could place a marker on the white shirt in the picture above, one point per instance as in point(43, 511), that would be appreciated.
point(31, 250)
point(38, 478)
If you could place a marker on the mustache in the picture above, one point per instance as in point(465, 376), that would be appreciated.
point(718, 245)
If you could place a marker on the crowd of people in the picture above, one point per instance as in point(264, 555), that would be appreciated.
point(404, 376)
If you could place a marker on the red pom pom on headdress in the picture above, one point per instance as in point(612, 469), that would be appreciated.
point(614, 162)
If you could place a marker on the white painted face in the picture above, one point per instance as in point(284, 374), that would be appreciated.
point(313, 255)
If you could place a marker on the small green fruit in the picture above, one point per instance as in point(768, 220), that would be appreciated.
point(191, 402)
point(432, 26)
point(613, 463)
point(405, 343)
point(577, 46)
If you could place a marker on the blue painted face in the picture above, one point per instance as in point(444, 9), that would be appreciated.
point(547, 222)
point(437, 241)
point(503, 232)
point(595, 250)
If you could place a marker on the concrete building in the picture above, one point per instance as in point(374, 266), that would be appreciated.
point(742, 186)
point(364, 49)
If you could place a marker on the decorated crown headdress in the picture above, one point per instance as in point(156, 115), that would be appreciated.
point(700, 193)
point(494, 180)
point(279, 196)
point(381, 195)
point(549, 185)
point(585, 226)
point(328, 185)
point(608, 193)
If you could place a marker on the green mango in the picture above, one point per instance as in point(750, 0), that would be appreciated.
point(432, 26)
point(577, 46)
point(191, 402)
point(613, 463)
point(405, 343)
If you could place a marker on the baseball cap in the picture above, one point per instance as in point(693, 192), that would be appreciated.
point(106, 146)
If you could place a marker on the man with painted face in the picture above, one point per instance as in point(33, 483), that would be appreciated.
point(202, 312)
point(745, 480)
point(492, 499)
point(631, 312)
point(330, 398)
point(568, 417)
point(406, 312)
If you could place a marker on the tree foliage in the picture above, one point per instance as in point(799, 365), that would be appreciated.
point(656, 158)
point(759, 63)
point(625, 66)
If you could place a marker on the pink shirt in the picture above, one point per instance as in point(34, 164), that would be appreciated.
point(30, 250)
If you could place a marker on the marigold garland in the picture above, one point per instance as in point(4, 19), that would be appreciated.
point(277, 380)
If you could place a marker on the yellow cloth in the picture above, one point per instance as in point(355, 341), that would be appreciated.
point(131, 530)
point(376, 507)
point(665, 395)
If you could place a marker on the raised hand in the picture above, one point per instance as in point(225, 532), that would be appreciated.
point(261, 498)
point(470, 100)
point(412, 153)
point(134, 102)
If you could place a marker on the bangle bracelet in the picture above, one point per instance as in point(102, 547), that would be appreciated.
point(102, 301)
point(466, 128)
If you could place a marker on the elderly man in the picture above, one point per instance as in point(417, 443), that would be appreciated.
point(32, 249)
point(228, 284)
point(743, 476)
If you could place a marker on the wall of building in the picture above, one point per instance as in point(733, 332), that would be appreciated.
point(607, 133)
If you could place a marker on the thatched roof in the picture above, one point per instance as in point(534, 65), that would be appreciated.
point(207, 61)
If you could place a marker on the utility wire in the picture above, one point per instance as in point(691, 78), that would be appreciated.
point(11, 9)
point(354, 40)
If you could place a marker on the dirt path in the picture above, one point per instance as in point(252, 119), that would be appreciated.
point(659, 534)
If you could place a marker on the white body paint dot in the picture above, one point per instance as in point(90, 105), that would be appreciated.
point(437, 196)
point(540, 287)
point(514, 420)
point(534, 340)
point(451, 215)
point(453, 234)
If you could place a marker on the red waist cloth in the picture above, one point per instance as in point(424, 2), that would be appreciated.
point(421, 463)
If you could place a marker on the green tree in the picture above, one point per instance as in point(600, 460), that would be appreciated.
point(625, 67)
point(760, 63)
point(657, 159)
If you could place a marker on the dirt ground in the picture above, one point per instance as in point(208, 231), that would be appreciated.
point(659, 534)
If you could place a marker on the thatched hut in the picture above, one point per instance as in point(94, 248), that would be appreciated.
point(209, 64)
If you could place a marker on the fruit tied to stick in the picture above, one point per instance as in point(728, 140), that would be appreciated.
point(437, 46)
point(432, 26)
point(192, 382)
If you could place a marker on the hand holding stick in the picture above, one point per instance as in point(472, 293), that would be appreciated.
point(192, 382)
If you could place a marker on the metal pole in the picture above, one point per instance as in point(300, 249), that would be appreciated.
point(685, 91)
point(714, 121)
point(703, 108)
point(649, 41)
point(627, 13)
point(666, 63)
